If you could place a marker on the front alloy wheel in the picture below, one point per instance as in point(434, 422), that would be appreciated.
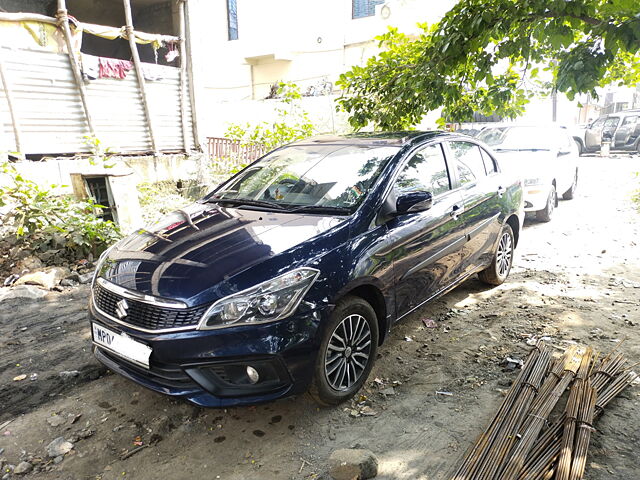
point(347, 351)
point(544, 215)
point(498, 271)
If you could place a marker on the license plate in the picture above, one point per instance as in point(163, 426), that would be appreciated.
point(121, 345)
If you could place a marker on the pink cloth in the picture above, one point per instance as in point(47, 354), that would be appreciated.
point(114, 68)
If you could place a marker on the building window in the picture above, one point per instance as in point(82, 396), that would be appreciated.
point(232, 19)
point(364, 8)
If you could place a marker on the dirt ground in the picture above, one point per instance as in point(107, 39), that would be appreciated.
point(575, 279)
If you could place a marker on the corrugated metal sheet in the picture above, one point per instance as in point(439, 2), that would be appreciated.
point(52, 120)
point(164, 104)
point(7, 138)
point(118, 115)
point(45, 100)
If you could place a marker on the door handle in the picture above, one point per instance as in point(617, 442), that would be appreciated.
point(501, 191)
point(456, 211)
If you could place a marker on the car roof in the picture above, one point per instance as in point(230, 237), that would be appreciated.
point(373, 139)
point(622, 113)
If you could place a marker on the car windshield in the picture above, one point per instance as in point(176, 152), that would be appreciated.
point(335, 178)
point(520, 138)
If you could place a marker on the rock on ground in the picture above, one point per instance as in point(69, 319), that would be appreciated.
point(56, 420)
point(59, 447)
point(22, 468)
point(47, 278)
point(353, 464)
point(68, 374)
point(22, 291)
point(86, 278)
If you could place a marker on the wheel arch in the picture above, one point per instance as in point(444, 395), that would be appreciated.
point(514, 223)
point(555, 185)
point(372, 294)
point(580, 143)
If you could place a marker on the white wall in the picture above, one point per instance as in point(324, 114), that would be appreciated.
point(289, 40)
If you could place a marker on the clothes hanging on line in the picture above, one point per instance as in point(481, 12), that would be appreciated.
point(152, 72)
point(114, 68)
point(90, 66)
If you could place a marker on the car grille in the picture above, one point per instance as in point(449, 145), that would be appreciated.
point(146, 316)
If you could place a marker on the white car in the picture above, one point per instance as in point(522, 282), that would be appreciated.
point(545, 157)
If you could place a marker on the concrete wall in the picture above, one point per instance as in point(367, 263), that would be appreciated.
point(43, 7)
point(143, 168)
point(160, 18)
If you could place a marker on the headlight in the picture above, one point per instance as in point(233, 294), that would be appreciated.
point(269, 301)
point(533, 181)
point(100, 262)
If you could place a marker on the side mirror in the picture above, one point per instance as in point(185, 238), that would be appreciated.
point(414, 202)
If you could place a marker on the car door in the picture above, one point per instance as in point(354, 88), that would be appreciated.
point(593, 134)
point(609, 128)
point(425, 246)
point(481, 189)
point(625, 132)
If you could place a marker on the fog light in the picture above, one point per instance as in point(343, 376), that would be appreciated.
point(252, 373)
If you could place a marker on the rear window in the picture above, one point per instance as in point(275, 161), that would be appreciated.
point(470, 163)
point(489, 163)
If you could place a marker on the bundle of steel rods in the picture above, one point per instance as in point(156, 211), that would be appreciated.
point(521, 443)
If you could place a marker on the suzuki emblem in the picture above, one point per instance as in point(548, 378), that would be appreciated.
point(121, 308)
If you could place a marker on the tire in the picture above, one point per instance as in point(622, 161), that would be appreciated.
point(498, 271)
point(580, 145)
point(330, 385)
point(571, 193)
point(544, 215)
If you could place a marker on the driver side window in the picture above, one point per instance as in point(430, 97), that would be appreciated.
point(426, 171)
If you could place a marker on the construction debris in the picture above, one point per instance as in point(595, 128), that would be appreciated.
point(522, 443)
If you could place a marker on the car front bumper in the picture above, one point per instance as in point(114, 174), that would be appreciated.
point(535, 197)
point(207, 367)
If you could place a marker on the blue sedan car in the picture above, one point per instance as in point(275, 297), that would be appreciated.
point(288, 276)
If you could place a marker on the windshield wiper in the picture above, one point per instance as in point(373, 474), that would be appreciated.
point(247, 201)
point(321, 209)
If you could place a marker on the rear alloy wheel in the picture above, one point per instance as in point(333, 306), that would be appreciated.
point(347, 352)
point(544, 215)
point(500, 267)
point(569, 194)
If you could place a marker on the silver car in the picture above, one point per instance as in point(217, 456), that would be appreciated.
point(545, 157)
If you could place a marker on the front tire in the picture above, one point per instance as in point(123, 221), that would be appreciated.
point(347, 352)
point(571, 193)
point(544, 215)
point(498, 271)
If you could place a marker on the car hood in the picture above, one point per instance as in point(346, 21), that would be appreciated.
point(528, 164)
point(193, 250)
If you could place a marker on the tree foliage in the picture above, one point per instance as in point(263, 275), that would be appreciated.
point(44, 220)
point(485, 56)
point(291, 122)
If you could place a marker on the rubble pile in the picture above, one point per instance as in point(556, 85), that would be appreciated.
point(50, 269)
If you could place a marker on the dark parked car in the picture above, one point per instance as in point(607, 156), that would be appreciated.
point(288, 276)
